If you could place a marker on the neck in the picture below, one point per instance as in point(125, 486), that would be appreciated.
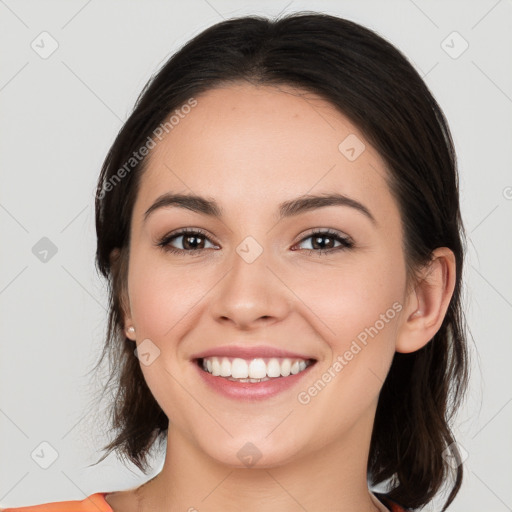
point(332, 477)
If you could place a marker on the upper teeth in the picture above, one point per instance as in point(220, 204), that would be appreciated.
point(254, 368)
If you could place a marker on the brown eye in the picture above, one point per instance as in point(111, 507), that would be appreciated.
point(189, 240)
point(318, 242)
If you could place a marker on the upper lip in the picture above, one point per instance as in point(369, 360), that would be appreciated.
point(253, 352)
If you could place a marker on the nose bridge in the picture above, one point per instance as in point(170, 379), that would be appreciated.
point(250, 290)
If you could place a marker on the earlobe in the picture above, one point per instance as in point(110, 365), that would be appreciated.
point(115, 262)
point(428, 302)
point(129, 329)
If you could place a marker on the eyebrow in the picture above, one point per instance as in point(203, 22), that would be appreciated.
point(289, 208)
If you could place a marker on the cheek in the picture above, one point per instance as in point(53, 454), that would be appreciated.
point(161, 295)
point(359, 308)
point(352, 296)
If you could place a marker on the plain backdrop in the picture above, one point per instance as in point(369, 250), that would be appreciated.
point(70, 72)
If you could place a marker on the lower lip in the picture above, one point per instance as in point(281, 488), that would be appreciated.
point(249, 390)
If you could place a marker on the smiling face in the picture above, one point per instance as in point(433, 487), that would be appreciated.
point(252, 273)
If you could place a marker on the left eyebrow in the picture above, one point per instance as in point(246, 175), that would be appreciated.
point(289, 208)
point(311, 202)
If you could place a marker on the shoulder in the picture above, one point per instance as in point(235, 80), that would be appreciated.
point(393, 506)
point(93, 503)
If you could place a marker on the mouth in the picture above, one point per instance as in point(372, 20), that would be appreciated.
point(254, 370)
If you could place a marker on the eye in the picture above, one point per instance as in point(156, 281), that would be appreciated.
point(191, 241)
point(319, 245)
point(194, 240)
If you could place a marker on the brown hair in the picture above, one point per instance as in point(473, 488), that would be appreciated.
point(376, 87)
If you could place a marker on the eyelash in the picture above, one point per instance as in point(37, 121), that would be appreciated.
point(346, 242)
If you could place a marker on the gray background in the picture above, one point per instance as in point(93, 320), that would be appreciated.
point(59, 116)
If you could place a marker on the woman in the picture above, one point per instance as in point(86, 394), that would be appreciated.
point(279, 224)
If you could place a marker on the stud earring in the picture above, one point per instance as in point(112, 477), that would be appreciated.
point(131, 330)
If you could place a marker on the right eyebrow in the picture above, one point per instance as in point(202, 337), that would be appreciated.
point(192, 202)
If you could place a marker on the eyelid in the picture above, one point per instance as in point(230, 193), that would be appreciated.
point(183, 231)
point(325, 232)
point(345, 240)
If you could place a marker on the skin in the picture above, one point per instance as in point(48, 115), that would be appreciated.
point(251, 148)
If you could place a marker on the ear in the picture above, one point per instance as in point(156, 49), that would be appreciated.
point(117, 261)
point(427, 303)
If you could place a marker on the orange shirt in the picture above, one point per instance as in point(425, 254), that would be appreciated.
point(94, 503)
point(97, 503)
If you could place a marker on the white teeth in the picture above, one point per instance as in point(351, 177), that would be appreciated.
point(239, 369)
point(274, 368)
point(253, 370)
point(225, 368)
point(301, 366)
point(286, 364)
point(295, 367)
point(257, 369)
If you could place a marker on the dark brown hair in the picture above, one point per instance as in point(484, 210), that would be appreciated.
point(374, 85)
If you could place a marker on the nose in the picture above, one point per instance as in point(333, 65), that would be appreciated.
point(250, 295)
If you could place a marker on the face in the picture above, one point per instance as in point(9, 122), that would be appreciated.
point(321, 280)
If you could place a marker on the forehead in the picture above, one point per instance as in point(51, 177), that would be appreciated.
point(259, 145)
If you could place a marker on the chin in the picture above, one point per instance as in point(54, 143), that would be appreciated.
point(253, 452)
